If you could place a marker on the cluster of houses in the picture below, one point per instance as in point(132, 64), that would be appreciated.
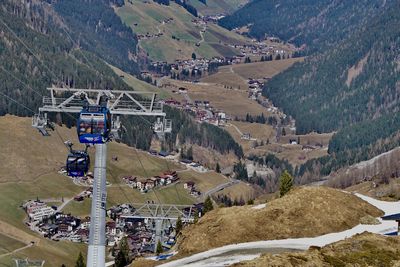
point(144, 185)
point(53, 224)
point(202, 109)
point(196, 65)
point(191, 187)
point(255, 88)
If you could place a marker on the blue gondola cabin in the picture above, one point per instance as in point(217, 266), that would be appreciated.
point(78, 164)
point(94, 125)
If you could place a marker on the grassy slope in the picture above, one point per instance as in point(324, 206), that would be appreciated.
point(214, 7)
point(364, 249)
point(139, 85)
point(31, 171)
point(236, 75)
point(278, 220)
point(149, 15)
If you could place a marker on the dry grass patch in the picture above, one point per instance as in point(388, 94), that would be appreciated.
point(233, 102)
point(264, 69)
point(304, 212)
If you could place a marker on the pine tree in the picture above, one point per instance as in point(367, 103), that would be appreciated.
point(179, 225)
point(159, 249)
point(286, 183)
point(120, 260)
point(124, 248)
point(208, 205)
point(194, 56)
point(196, 217)
point(218, 168)
point(63, 265)
point(80, 262)
point(283, 131)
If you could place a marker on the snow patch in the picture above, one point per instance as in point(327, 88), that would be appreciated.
point(209, 258)
point(258, 207)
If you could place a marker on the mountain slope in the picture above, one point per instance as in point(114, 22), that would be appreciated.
point(36, 52)
point(214, 7)
point(316, 24)
point(279, 219)
point(344, 83)
point(352, 88)
point(170, 32)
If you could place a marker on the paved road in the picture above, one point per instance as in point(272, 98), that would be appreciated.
point(221, 187)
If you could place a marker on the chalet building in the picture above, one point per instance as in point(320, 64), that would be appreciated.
point(189, 185)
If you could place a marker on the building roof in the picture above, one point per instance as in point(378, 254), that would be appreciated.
point(392, 217)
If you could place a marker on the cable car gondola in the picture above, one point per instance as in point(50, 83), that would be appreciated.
point(94, 125)
point(78, 163)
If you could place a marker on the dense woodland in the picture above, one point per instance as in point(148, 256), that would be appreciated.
point(99, 30)
point(317, 24)
point(184, 3)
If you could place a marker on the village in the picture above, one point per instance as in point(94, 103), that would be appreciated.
point(52, 223)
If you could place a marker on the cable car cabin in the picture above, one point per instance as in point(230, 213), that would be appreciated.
point(78, 164)
point(94, 125)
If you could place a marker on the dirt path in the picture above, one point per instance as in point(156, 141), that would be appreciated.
point(16, 250)
point(17, 234)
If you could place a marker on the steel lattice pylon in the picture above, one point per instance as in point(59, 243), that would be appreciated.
point(66, 100)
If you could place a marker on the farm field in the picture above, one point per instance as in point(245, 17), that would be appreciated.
point(179, 35)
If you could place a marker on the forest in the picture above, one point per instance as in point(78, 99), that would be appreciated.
point(313, 25)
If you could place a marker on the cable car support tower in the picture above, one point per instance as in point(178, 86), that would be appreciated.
point(118, 103)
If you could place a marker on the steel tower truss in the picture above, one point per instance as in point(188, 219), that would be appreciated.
point(126, 103)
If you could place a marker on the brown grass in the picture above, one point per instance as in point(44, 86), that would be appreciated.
point(364, 249)
point(233, 102)
point(236, 76)
point(301, 213)
point(264, 69)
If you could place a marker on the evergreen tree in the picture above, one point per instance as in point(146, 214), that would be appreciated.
point(196, 217)
point(80, 262)
point(218, 168)
point(159, 249)
point(124, 248)
point(194, 56)
point(250, 202)
point(283, 131)
point(120, 260)
point(179, 225)
point(208, 205)
point(286, 183)
point(63, 265)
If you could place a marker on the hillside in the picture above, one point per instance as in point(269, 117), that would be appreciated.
point(38, 49)
point(168, 33)
point(353, 90)
point(364, 249)
point(214, 7)
point(278, 220)
point(314, 24)
point(30, 169)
